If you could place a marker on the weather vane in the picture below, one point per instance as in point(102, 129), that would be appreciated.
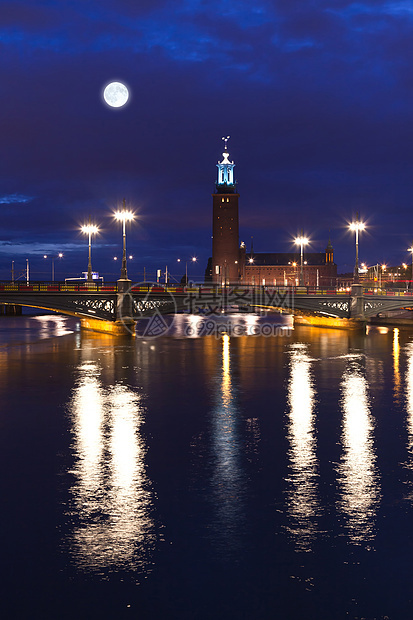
point(226, 140)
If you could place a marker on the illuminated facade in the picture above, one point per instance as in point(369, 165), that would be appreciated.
point(225, 227)
point(283, 268)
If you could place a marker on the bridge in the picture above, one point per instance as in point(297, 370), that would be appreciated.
point(115, 307)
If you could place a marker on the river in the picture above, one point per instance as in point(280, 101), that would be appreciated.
point(206, 474)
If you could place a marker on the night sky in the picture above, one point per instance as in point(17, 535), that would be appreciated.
point(315, 94)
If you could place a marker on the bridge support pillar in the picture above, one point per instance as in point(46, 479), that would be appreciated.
point(124, 306)
point(10, 309)
point(357, 302)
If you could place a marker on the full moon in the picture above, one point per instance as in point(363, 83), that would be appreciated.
point(116, 94)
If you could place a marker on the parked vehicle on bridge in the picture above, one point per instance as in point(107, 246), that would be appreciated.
point(96, 278)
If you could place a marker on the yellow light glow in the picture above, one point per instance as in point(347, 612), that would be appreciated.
point(357, 473)
point(227, 480)
point(409, 403)
point(112, 496)
point(301, 240)
point(226, 376)
point(396, 360)
point(302, 495)
point(124, 216)
point(357, 226)
point(90, 229)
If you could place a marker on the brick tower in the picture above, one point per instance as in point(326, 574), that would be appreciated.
point(225, 228)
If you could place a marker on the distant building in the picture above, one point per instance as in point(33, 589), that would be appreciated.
point(225, 226)
point(231, 264)
point(283, 268)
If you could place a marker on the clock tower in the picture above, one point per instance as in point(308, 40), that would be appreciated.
point(225, 227)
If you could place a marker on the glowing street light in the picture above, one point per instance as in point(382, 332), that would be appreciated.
point(60, 255)
point(193, 260)
point(90, 230)
point(301, 241)
point(357, 227)
point(124, 216)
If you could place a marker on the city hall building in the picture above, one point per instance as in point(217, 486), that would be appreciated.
point(232, 264)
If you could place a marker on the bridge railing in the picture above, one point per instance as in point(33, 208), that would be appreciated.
point(55, 287)
point(84, 286)
point(388, 292)
point(108, 287)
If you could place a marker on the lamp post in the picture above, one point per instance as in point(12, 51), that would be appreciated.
point(124, 216)
point(411, 276)
point(301, 241)
point(193, 260)
point(60, 255)
point(383, 269)
point(90, 230)
point(357, 227)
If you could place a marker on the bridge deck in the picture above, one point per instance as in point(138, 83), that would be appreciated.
point(102, 300)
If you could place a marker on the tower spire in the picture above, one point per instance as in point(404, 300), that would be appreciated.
point(225, 182)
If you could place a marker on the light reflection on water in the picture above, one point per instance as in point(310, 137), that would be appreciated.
point(227, 481)
point(111, 496)
point(358, 478)
point(396, 364)
point(302, 500)
point(53, 325)
point(409, 407)
point(228, 396)
point(236, 324)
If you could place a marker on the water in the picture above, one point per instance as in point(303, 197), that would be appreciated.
point(205, 477)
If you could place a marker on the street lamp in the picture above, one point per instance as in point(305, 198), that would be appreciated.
point(60, 255)
point(383, 269)
point(301, 241)
point(124, 216)
point(90, 230)
point(193, 260)
point(357, 226)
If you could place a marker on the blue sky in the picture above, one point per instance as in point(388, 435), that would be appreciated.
point(316, 96)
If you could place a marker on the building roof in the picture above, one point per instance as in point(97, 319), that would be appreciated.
point(284, 258)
